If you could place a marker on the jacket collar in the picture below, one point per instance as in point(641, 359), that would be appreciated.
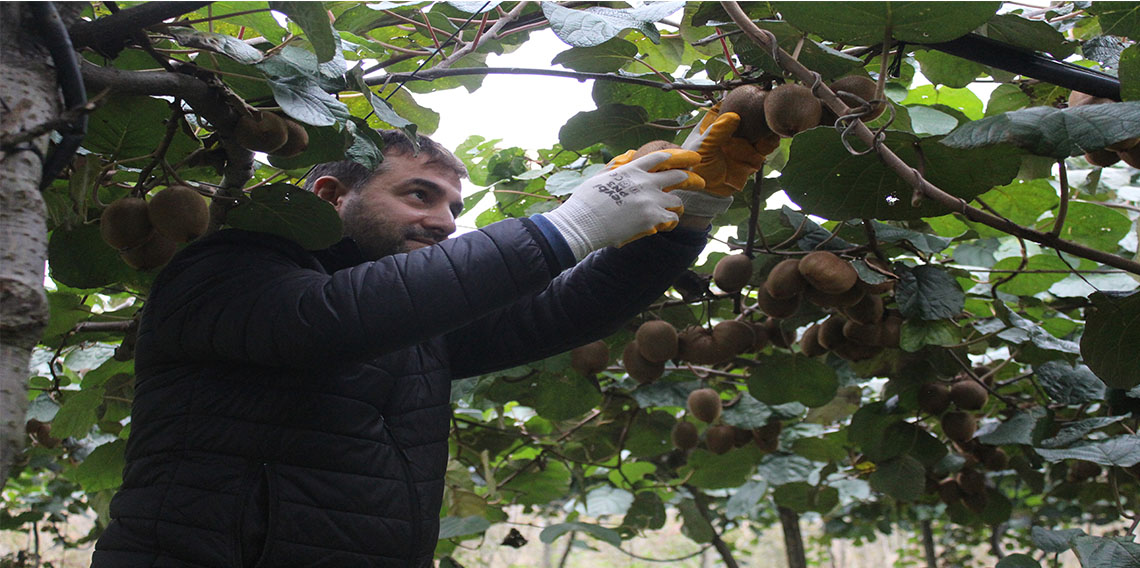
point(344, 254)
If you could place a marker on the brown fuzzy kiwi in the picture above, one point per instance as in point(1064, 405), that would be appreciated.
point(996, 460)
point(657, 341)
point(934, 397)
point(976, 503)
point(1082, 470)
point(125, 223)
point(180, 213)
point(777, 335)
point(785, 280)
point(704, 404)
point(831, 332)
point(152, 253)
point(642, 370)
point(1131, 156)
point(720, 438)
point(1077, 98)
point(776, 308)
point(842, 300)
point(971, 481)
point(959, 426)
point(733, 337)
point(296, 141)
point(732, 272)
point(696, 345)
point(748, 102)
point(868, 310)
point(1122, 145)
point(591, 358)
point(767, 437)
point(827, 272)
point(790, 109)
point(969, 395)
point(809, 343)
point(855, 351)
point(863, 333)
point(760, 338)
point(685, 436)
point(261, 132)
point(949, 491)
point(862, 87)
point(1103, 158)
point(653, 146)
point(891, 330)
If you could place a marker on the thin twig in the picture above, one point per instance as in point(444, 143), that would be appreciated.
point(1063, 210)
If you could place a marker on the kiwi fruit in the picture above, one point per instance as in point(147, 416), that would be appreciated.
point(1082, 470)
point(685, 436)
point(261, 132)
point(748, 102)
point(959, 426)
point(125, 223)
point(975, 502)
point(767, 437)
point(638, 367)
point(1131, 156)
point(971, 481)
point(868, 310)
point(827, 272)
point(863, 333)
point(40, 432)
point(891, 330)
point(949, 491)
point(996, 460)
point(655, 145)
point(831, 332)
point(657, 341)
point(969, 395)
point(809, 342)
point(790, 109)
point(704, 404)
point(841, 300)
point(180, 213)
point(296, 140)
point(696, 345)
point(776, 308)
point(862, 87)
point(741, 437)
point(933, 397)
point(720, 438)
point(1077, 98)
point(1103, 158)
point(855, 351)
point(591, 358)
point(733, 337)
point(759, 336)
point(785, 280)
point(152, 253)
point(777, 335)
point(732, 272)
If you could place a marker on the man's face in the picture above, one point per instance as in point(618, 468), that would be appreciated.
point(410, 205)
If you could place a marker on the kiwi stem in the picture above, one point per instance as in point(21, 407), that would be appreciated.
point(159, 153)
point(757, 184)
point(1063, 209)
point(912, 176)
point(970, 373)
point(881, 84)
point(1011, 276)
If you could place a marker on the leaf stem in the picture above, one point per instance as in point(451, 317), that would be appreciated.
point(1063, 210)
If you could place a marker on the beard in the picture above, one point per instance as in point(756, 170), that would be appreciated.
point(376, 236)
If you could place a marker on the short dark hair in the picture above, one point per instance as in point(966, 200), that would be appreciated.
point(396, 142)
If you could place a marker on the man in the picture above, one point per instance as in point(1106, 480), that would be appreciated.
point(292, 407)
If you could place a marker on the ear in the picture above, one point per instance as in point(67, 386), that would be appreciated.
point(331, 189)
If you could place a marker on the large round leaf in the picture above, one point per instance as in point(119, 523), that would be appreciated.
point(290, 212)
point(79, 258)
point(1112, 332)
point(867, 23)
point(782, 377)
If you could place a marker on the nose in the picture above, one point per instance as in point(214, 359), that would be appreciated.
point(440, 222)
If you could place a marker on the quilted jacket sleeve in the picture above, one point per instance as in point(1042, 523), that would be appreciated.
point(258, 298)
point(587, 302)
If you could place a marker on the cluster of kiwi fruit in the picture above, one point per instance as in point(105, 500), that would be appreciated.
point(956, 403)
point(968, 486)
point(1127, 149)
point(705, 405)
point(658, 341)
point(860, 86)
point(40, 433)
point(147, 233)
point(262, 131)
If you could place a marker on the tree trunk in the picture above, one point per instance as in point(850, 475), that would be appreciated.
point(928, 545)
point(30, 98)
point(793, 540)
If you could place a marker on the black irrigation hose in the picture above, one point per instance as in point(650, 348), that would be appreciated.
point(58, 42)
point(1023, 62)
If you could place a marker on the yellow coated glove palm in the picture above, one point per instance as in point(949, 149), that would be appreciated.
point(678, 160)
point(726, 161)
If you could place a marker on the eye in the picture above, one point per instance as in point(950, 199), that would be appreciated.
point(419, 194)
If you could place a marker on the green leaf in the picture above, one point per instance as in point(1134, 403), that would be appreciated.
point(1006, 98)
point(664, 393)
point(828, 62)
point(620, 126)
point(945, 69)
point(631, 472)
point(565, 395)
point(1111, 552)
point(658, 104)
point(1112, 330)
point(1035, 35)
point(924, 242)
point(379, 106)
point(745, 501)
point(1076, 430)
point(1092, 225)
point(1017, 429)
point(551, 533)
point(451, 527)
point(596, 25)
point(1130, 73)
point(79, 258)
point(866, 23)
point(103, 468)
point(77, 414)
point(903, 478)
point(946, 99)
point(928, 120)
point(1054, 542)
point(647, 512)
point(803, 497)
point(608, 500)
point(228, 45)
point(314, 21)
point(1022, 202)
point(928, 292)
point(290, 212)
point(1053, 132)
point(602, 58)
point(1118, 18)
point(303, 99)
point(824, 179)
point(712, 471)
point(131, 127)
point(918, 333)
point(1123, 451)
point(695, 526)
point(1067, 384)
point(650, 434)
point(1029, 282)
point(784, 377)
point(539, 486)
point(747, 413)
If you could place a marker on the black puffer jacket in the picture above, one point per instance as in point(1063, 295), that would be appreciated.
point(292, 409)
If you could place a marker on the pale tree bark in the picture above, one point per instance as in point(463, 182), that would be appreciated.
point(28, 98)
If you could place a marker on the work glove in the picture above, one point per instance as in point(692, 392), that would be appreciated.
point(623, 203)
point(726, 161)
point(694, 201)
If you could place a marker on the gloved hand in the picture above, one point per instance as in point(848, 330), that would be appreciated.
point(621, 204)
point(679, 159)
point(726, 161)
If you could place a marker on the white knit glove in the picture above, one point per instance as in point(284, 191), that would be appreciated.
point(701, 204)
point(619, 205)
